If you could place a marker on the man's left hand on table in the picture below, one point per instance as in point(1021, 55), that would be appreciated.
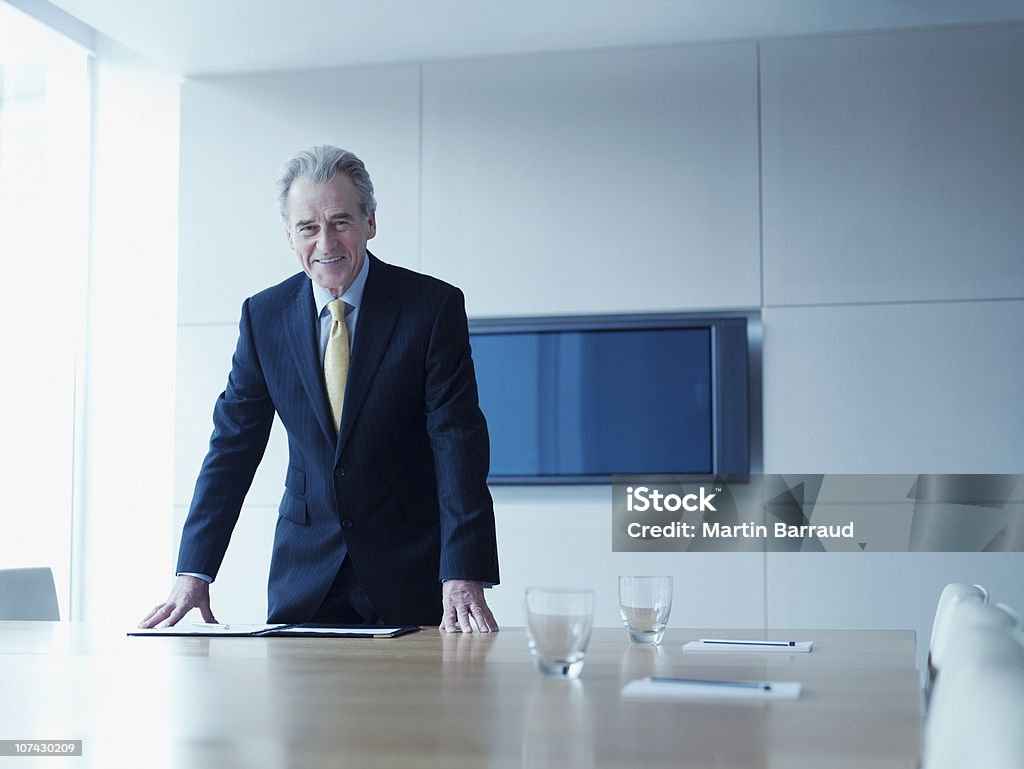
point(463, 602)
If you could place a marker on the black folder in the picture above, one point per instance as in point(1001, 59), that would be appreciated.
point(300, 630)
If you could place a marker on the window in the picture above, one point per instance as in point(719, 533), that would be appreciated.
point(44, 223)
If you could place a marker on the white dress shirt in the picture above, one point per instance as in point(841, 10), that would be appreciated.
point(353, 297)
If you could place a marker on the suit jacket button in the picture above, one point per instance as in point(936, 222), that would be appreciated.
point(340, 472)
point(346, 524)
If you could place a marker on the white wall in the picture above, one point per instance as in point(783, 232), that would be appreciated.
point(893, 284)
point(863, 192)
point(603, 182)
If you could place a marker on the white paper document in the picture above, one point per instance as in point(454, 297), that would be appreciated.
point(695, 689)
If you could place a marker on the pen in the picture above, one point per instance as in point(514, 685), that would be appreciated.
point(748, 643)
point(211, 625)
point(760, 685)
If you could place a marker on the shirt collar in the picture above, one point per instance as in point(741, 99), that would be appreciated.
point(353, 295)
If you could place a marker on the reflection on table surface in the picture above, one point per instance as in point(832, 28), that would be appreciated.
point(435, 700)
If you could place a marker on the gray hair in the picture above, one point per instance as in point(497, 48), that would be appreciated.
point(320, 164)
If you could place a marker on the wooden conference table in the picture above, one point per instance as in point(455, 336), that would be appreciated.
point(447, 701)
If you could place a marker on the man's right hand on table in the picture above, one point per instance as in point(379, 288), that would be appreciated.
point(187, 593)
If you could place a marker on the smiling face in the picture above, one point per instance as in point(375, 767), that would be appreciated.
point(328, 232)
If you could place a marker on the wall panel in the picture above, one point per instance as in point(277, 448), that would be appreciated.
point(881, 590)
point(894, 167)
point(604, 182)
point(927, 388)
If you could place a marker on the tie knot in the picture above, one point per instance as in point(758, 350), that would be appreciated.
point(337, 308)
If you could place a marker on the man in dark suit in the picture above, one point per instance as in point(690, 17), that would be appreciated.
point(386, 516)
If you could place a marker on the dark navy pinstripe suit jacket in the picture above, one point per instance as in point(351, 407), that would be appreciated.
point(402, 489)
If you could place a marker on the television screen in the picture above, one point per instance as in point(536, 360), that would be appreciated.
point(582, 404)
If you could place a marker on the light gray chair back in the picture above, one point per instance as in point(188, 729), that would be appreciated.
point(28, 594)
point(977, 705)
point(952, 596)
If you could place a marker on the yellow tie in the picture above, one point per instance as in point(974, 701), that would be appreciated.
point(336, 360)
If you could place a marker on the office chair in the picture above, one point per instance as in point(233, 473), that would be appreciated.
point(980, 633)
point(977, 703)
point(952, 595)
point(28, 594)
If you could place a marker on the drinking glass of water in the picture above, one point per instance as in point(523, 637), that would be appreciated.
point(645, 603)
point(558, 625)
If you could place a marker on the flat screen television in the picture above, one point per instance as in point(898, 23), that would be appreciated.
point(580, 399)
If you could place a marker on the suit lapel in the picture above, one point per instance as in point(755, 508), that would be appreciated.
point(300, 320)
point(377, 317)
